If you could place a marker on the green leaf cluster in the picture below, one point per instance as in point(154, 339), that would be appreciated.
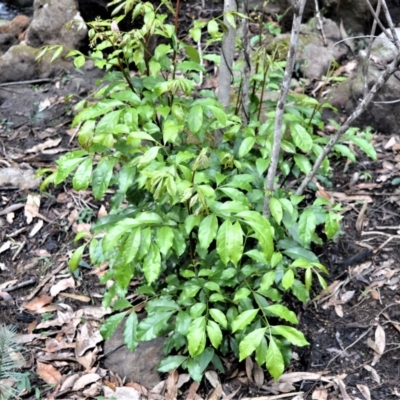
point(12, 382)
point(186, 217)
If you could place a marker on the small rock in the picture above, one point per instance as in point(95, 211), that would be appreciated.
point(6, 41)
point(20, 178)
point(139, 366)
point(57, 22)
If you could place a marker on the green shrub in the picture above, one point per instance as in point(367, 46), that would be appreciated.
point(186, 216)
point(12, 383)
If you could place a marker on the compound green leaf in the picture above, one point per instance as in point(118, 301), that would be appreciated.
point(250, 342)
point(291, 334)
point(171, 362)
point(100, 108)
point(307, 225)
point(131, 245)
point(67, 163)
point(267, 280)
point(303, 163)
point(171, 130)
point(102, 176)
point(130, 327)
point(76, 258)
point(152, 264)
point(214, 333)
point(108, 122)
point(208, 230)
point(161, 304)
point(276, 209)
point(261, 352)
point(242, 293)
point(195, 370)
point(301, 138)
point(164, 239)
point(110, 325)
point(195, 118)
point(282, 312)
point(274, 360)
point(367, 147)
point(246, 146)
point(236, 244)
point(223, 244)
point(288, 279)
point(218, 316)
point(197, 336)
point(113, 235)
point(331, 225)
point(83, 174)
point(150, 327)
point(243, 319)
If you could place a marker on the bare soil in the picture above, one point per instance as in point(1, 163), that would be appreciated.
point(353, 328)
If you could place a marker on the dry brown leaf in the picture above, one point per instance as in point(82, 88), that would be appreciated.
point(140, 388)
point(53, 345)
point(170, 385)
point(320, 394)
point(380, 339)
point(69, 382)
point(85, 380)
point(49, 323)
point(93, 391)
point(347, 296)
point(102, 212)
point(213, 378)
point(364, 390)
point(249, 368)
point(232, 395)
point(380, 344)
point(62, 285)
point(48, 373)
point(121, 393)
point(258, 375)
point(32, 206)
point(293, 377)
point(37, 303)
point(82, 227)
point(45, 145)
point(6, 297)
point(78, 297)
point(192, 391)
point(342, 388)
point(5, 246)
point(339, 310)
point(87, 339)
point(96, 312)
point(374, 374)
point(216, 394)
point(36, 228)
point(183, 378)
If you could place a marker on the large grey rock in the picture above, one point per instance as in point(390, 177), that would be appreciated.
point(6, 41)
point(139, 366)
point(383, 113)
point(314, 57)
point(354, 14)
point(19, 64)
point(57, 22)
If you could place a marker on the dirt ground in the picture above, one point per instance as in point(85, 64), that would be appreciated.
point(353, 328)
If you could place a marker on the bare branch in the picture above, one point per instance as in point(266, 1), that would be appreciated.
point(366, 64)
point(298, 7)
point(227, 53)
point(390, 70)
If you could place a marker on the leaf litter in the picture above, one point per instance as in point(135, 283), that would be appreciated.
point(352, 326)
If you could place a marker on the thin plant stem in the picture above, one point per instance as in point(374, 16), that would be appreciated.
point(298, 7)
